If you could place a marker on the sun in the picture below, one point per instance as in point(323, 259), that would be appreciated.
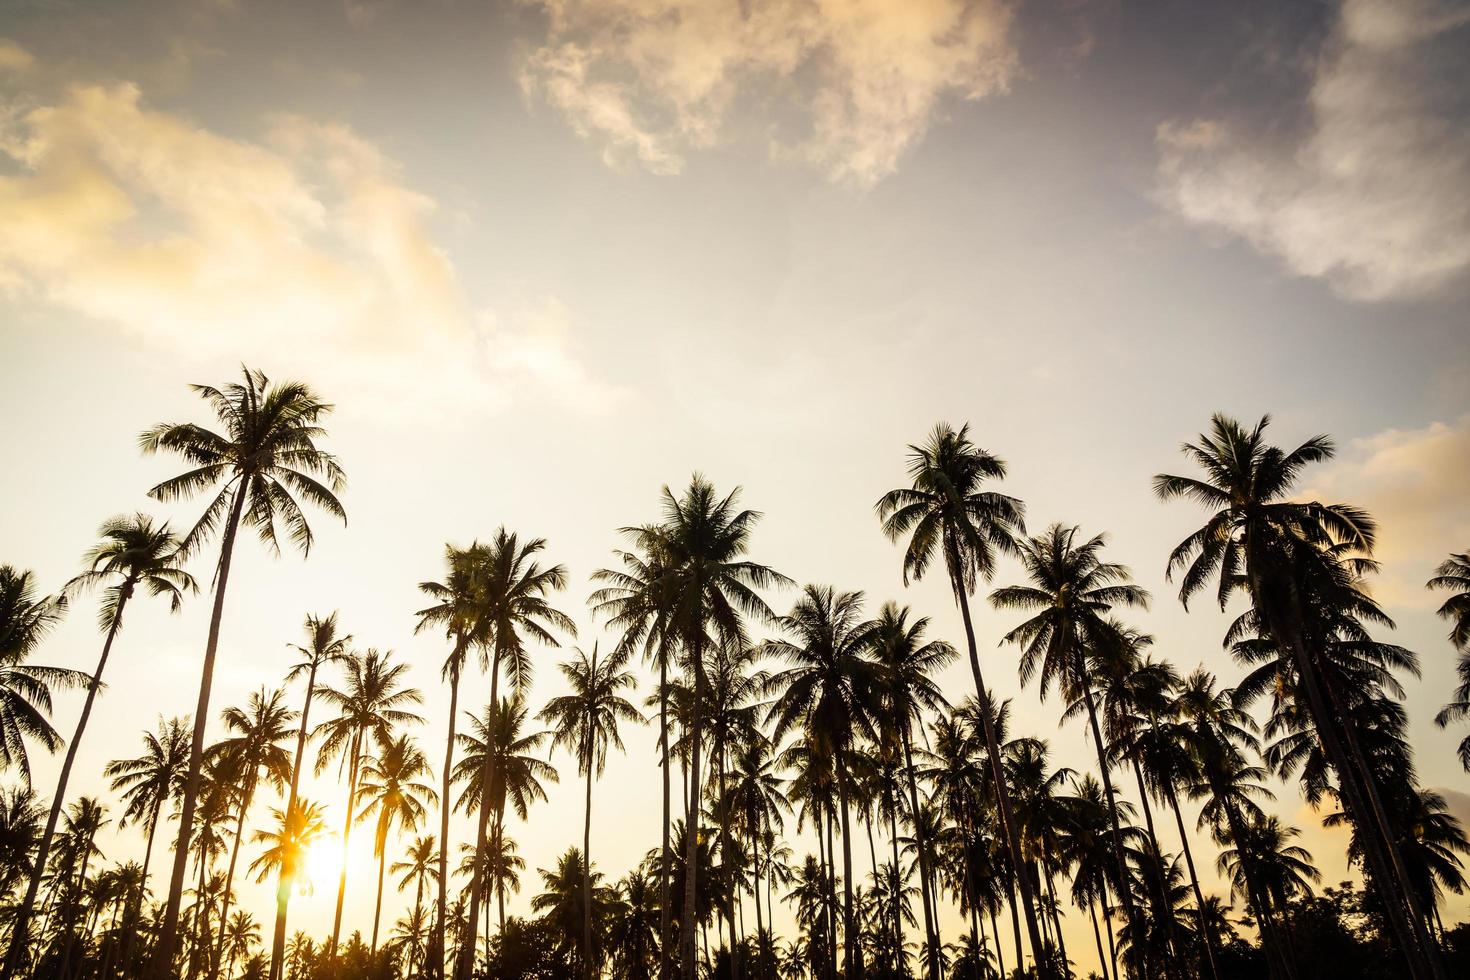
point(323, 864)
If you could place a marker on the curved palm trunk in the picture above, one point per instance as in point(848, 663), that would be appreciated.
point(466, 962)
point(346, 838)
point(382, 867)
point(1002, 791)
point(163, 951)
point(1277, 959)
point(434, 958)
point(1102, 957)
point(851, 954)
point(19, 929)
point(1000, 957)
point(1206, 930)
point(137, 911)
point(224, 915)
point(418, 918)
point(931, 935)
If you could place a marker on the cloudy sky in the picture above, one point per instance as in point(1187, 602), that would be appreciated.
point(548, 256)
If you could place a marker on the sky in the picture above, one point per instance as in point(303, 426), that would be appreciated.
point(546, 257)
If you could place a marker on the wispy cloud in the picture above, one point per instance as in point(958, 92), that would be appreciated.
point(653, 80)
point(308, 240)
point(1371, 199)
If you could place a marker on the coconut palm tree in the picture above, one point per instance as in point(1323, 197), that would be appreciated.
point(947, 514)
point(240, 936)
point(289, 844)
point(1070, 595)
point(420, 864)
point(1284, 869)
point(458, 609)
point(25, 688)
point(252, 753)
point(146, 783)
point(704, 589)
point(133, 553)
point(84, 820)
point(514, 593)
point(519, 774)
point(908, 689)
point(260, 468)
point(633, 933)
point(562, 903)
point(391, 791)
point(585, 723)
point(371, 703)
point(1292, 558)
point(831, 693)
point(756, 795)
point(1453, 576)
point(21, 816)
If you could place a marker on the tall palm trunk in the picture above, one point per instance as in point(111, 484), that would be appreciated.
point(163, 951)
point(346, 839)
point(587, 853)
point(665, 866)
point(1279, 963)
point(897, 885)
point(1002, 791)
point(1000, 957)
point(224, 915)
point(482, 831)
point(687, 935)
point(851, 954)
point(1102, 957)
point(931, 935)
point(1199, 898)
point(1125, 893)
point(382, 867)
point(283, 884)
point(418, 918)
point(18, 936)
point(137, 911)
point(752, 823)
point(497, 848)
point(1170, 935)
point(434, 957)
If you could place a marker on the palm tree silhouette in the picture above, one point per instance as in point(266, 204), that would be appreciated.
point(371, 703)
point(585, 723)
point(296, 832)
point(25, 689)
point(264, 461)
point(391, 791)
point(946, 513)
point(420, 864)
point(1453, 576)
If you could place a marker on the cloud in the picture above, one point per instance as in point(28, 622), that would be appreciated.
point(1371, 199)
point(653, 80)
point(307, 241)
point(1413, 481)
point(13, 57)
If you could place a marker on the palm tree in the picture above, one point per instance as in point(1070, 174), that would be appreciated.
point(1284, 870)
point(585, 723)
point(254, 751)
point(391, 790)
point(756, 794)
point(370, 705)
point(240, 935)
point(514, 591)
point(633, 935)
point(1453, 575)
point(946, 513)
point(296, 832)
point(518, 775)
point(562, 901)
point(83, 822)
point(1071, 594)
point(703, 589)
point(459, 609)
point(25, 689)
point(420, 864)
point(1292, 558)
point(20, 826)
point(133, 553)
point(265, 460)
point(831, 692)
point(908, 665)
point(147, 783)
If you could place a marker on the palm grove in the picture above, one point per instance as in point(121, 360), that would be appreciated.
point(825, 719)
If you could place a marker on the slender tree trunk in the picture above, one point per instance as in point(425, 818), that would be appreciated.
point(482, 827)
point(20, 927)
point(1016, 921)
point(283, 884)
point(931, 929)
point(1108, 924)
point(418, 918)
point(1170, 936)
point(224, 915)
point(997, 773)
point(163, 950)
point(1276, 956)
point(1056, 915)
point(897, 886)
point(127, 951)
point(1102, 957)
point(1000, 957)
point(1206, 930)
point(851, 953)
point(587, 854)
point(378, 905)
point(434, 956)
point(346, 838)
point(498, 847)
point(665, 866)
point(691, 825)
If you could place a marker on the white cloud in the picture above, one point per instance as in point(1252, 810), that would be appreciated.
point(1372, 199)
point(1413, 481)
point(652, 80)
point(308, 241)
point(13, 57)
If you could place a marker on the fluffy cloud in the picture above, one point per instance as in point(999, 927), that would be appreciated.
point(1413, 481)
point(651, 80)
point(308, 240)
point(1372, 198)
